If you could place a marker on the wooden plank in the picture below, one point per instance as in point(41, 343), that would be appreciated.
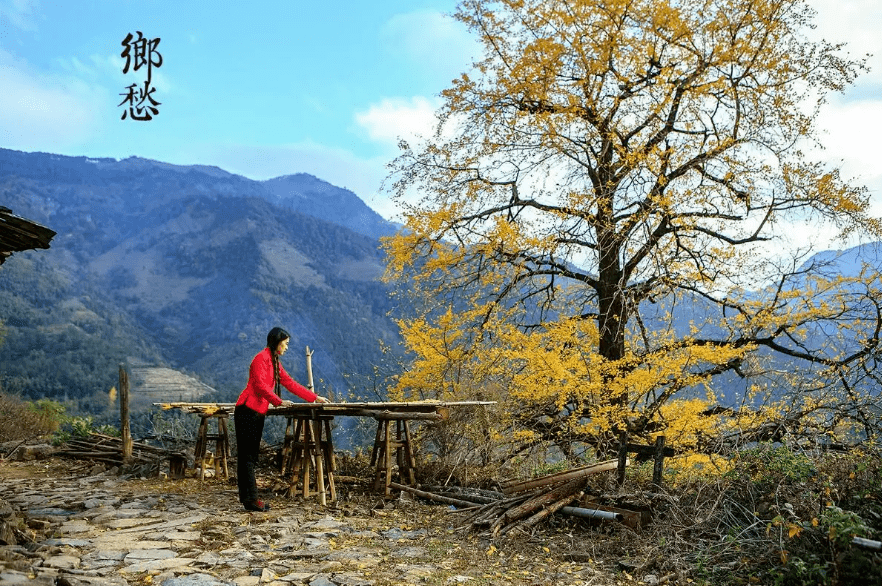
point(352, 409)
point(18, 234)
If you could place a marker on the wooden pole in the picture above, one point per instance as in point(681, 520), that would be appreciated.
point(435, 497)
point(545, 512)
point(623, 457)
point(535, 503)
point(124, 429)
point(559, 477)
point(659, 457)
point(309, 384)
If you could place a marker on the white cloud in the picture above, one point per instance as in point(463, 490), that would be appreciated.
point(851, 123)
point(46, 112)
point(855, 22)
point(440, 44)
point(851, 131)
point(399, 118)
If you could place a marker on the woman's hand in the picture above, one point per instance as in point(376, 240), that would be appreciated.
point(320, 399)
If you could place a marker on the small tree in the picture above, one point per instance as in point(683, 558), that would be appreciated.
point(607, 164)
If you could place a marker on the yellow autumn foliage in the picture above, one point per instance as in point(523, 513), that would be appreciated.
point(606, 164)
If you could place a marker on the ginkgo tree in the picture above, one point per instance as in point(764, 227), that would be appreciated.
point(591, 228)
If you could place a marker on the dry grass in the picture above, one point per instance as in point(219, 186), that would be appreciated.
point(769, 515)
point(777, 516)
point(22, 420)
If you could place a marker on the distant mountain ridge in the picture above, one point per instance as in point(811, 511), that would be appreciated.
point(312, 196)
point(299, 192)
point(186, 267)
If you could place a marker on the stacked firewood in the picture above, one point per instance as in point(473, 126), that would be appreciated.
point(107, 449)
point(520, 504)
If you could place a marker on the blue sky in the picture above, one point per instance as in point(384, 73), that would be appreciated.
point(266, 88)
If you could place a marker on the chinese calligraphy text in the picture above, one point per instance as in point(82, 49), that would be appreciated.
point(140, 53)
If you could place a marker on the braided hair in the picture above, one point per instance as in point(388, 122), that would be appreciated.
point(275, 337)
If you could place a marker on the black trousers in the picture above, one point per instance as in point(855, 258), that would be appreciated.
point(249, 432)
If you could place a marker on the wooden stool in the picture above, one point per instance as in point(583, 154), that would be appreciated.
point(309, 446)
point(381, 455)
point(222, 447)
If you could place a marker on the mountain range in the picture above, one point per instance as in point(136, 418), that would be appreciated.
point(187, 267)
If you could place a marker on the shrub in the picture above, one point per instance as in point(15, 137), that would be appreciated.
point(774, 514)
point(80, 427)
point(22, 420)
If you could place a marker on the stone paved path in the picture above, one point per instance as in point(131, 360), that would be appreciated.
point(104, 530)
point(100, 535)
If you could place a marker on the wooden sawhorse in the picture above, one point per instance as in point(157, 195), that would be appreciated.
point(384, 444)
point(308, 446)
point(201, 459)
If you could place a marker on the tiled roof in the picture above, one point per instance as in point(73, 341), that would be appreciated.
point(17, 234)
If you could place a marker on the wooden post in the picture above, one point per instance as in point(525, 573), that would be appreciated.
point(201, 447)
point(327, 450)
point(316, 426)
point(124, 429)
point(223, 446)
point(387, 455)
point(659, 457)
point(623, 457)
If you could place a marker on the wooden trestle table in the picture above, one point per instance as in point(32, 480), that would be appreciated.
point(308, 447)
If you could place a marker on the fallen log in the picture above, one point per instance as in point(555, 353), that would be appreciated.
point(544, 513)
point(489, 513)
point(531, 505)
point(109, 450)
point(581, 472)
point(521, 504)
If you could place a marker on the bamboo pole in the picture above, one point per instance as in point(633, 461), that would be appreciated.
point(591, 513)
point(398, 415)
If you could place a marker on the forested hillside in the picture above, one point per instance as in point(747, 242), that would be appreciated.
point(186, 267)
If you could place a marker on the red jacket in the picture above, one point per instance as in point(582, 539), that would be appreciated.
point(260, 390)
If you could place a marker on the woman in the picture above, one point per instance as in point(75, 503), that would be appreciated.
point(265, 377)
